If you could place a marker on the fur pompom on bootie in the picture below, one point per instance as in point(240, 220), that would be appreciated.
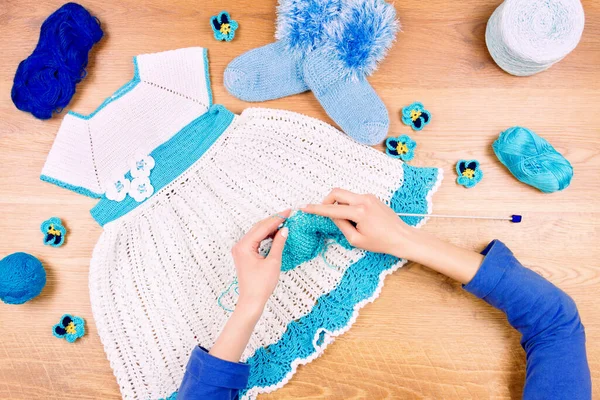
point(329, 47)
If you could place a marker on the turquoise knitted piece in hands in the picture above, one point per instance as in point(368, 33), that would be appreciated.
point(329, 47)
point(308, 236)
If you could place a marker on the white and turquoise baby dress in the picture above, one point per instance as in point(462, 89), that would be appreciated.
point(180, 180)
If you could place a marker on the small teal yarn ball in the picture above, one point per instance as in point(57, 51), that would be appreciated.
point(532, 160)
point(22, 277)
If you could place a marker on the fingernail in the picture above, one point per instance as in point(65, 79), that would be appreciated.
point(284, 231)
point(301, 206)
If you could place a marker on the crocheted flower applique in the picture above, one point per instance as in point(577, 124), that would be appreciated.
point(54, 232)
point(117, 188)
point(402, 147)
point(415, 116)
point(223, 26)
point(141, 189)
point(469, 173)
point(141, 165)
point(70, 328)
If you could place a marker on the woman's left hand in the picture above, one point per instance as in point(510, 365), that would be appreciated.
point(257, 275)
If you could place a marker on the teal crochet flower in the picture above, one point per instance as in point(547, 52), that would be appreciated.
point(70, 328)
point(415, 116)
point(54, 232)
point(402, 147)
point(223, 26)
point(469, 173)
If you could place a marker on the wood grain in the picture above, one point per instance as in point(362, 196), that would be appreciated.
point(424, 338)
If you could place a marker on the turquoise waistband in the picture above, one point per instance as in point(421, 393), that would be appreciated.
point(172, 158)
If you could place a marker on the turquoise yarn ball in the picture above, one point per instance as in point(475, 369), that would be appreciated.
point(532, 160)
point(22, 277)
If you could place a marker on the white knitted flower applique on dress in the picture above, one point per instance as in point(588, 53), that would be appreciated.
point(162, 279)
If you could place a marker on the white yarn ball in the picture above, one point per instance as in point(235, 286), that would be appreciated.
point(525, 37)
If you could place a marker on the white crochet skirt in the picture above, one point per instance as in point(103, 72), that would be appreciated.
point(162, 279)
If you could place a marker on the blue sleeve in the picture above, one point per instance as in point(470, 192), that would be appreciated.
point(208, 377)
point(547, 318)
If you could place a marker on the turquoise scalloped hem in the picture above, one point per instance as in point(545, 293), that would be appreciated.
point(334, 312)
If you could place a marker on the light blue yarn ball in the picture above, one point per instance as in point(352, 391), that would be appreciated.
point(532, 160)
point(22, 277)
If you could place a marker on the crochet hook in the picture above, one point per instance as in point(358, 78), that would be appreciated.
point(513, 218)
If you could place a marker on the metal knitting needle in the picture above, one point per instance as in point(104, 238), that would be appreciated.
point(513, 218)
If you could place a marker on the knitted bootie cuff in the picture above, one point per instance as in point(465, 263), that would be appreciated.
point(301, 24)
point(357, 33)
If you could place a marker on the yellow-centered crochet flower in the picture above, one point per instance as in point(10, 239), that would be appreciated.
point(223, 26)
point(225, 29)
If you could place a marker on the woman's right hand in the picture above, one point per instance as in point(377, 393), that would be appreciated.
point(366, 222)
point(371, 225)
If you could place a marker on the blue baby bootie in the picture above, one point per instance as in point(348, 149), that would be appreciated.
point(329, 47)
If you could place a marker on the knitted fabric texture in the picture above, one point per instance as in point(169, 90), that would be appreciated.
point(168, 90)
point(265, 73)
point(308, 236)
point(353, 105)
point(163, 269)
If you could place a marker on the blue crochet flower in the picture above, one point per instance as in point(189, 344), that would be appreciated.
point(70, 328)
point(223, 26)
point(54, 232)
point(402, 147)
point(415, 116)
point(469, 173)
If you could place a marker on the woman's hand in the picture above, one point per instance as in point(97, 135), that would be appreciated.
point(366, 222)
point(371, 225)
point(257, 275)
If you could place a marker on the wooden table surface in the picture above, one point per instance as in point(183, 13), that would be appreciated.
point(424, 338)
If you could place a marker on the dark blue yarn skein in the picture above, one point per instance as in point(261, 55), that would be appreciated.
point(45, 81)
